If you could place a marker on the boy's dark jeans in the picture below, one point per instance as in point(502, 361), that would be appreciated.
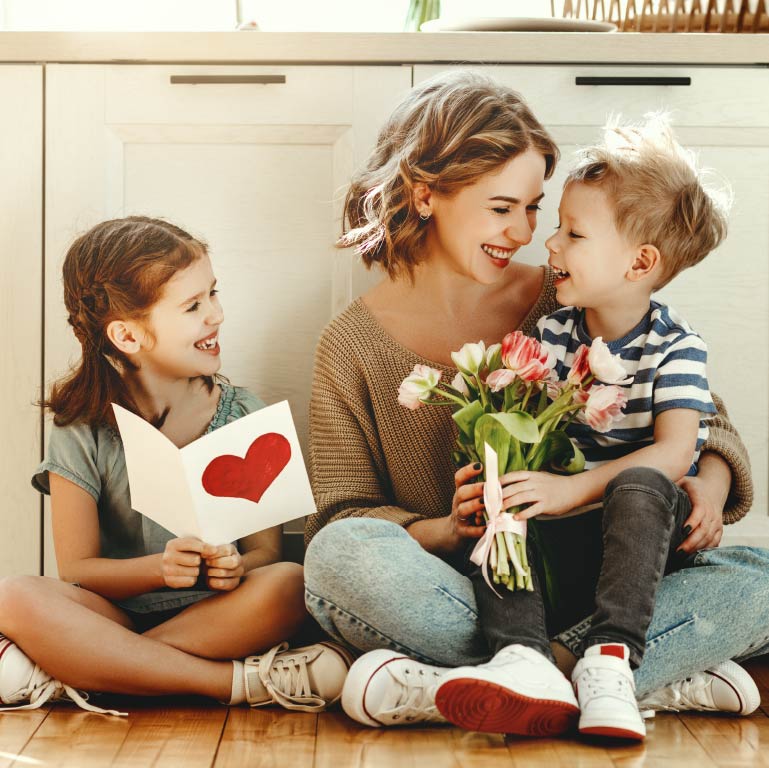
point(643, 518)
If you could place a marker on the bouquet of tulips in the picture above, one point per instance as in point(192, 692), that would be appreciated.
point(510, 407)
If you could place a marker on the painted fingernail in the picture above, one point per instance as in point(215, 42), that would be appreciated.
point(477, 465)
point(687, 530)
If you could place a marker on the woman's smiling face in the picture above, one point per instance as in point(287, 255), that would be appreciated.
point(479, 228)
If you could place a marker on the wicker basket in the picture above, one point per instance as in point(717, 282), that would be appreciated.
point(672, 15)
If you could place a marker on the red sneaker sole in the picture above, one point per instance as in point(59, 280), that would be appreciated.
point(477, 705)
point(612, 733)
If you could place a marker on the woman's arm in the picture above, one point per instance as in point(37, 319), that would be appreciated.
point(348, 472)
point(75, 522)
point(725, 443)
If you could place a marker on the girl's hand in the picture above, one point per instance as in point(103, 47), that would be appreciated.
point(181, 562)
point(545, 493)
point(466, 518)
point(224, 568)
point(706, 522)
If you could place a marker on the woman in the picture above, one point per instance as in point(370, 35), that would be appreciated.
point(450, 193)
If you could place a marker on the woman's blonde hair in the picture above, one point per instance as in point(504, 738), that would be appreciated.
point(447, 133)
point(658, 193)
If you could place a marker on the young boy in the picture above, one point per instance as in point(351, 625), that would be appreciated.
point(633, 215)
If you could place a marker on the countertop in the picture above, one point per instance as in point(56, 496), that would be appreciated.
point(384, 48)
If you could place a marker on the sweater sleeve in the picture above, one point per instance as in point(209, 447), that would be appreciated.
point(724, 440)
point(348, 470)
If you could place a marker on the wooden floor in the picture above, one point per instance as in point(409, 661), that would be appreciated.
point(198, 733)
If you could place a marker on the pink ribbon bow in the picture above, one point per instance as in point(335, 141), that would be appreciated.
point(497, 522)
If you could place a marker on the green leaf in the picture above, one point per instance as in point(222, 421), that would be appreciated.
point(557, 450)
point(519, 425)
point(488, 430)
point(467, 417)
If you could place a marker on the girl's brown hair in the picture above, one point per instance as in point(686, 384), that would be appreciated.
point(446, 133)
point(116, 270)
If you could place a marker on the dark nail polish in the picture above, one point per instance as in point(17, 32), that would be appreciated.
point(477, 466)
point(687, 530)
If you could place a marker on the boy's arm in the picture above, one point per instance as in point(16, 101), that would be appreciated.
point(675, 438)
point(262, 548)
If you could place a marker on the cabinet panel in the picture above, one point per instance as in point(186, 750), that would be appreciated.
point(257, 171)
point(725, 297)
point(728, 96)
point(21, 262)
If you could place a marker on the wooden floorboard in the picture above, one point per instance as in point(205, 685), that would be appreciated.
point(196, 733)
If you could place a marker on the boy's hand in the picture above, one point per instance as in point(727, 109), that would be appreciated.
point(181, 562)
point(706, 522)
point(224, 568)
point(545, 493)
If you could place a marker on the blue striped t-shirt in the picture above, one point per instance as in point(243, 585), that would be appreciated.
point(666, 359)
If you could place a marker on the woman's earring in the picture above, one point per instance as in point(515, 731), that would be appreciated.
point(424, 216)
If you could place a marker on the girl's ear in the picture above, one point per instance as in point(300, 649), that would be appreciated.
point(125, 336)
point(423, 199)
point(648, 261)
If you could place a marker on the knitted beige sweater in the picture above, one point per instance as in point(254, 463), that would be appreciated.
point(370, 457)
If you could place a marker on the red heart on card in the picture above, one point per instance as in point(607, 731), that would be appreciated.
point(250, 477)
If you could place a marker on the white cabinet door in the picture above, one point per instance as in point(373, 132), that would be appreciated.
point(254, 160)
point(21, 295)
point(724, 115)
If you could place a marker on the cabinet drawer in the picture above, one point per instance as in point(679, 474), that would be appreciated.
point(240, 95)
point(715, 96)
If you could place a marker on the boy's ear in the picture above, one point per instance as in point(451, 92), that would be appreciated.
point(647, 261)
point(423, 199)
point(125, 336)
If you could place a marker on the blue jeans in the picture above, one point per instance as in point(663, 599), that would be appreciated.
point(371, 585)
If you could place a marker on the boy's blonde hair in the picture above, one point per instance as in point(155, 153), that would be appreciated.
point(657, 192)
point(447, 133)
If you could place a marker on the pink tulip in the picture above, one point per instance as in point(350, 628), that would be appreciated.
point(526, 357)
point(500, 379)
point(580, 367)
point(418, 386)
point(603, 406)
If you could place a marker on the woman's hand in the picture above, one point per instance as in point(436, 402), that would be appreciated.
point(705, 522)
point(181, 562)
point(466, 518)
point(224, 568)
point(545, 494)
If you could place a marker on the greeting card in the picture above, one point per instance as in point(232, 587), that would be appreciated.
point(242, 478)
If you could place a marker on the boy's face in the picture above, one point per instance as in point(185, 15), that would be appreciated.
point(591, 257)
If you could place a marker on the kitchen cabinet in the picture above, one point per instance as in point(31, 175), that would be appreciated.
point(21, 292)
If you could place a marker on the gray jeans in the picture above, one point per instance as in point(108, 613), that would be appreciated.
point(642, 527)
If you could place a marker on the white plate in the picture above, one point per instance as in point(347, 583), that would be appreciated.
point(516, 24)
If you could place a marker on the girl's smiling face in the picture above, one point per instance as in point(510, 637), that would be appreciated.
point(479, 228)
point(181, 339)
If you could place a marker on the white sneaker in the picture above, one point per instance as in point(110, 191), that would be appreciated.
point(727, 687)
point(604, 684)
point(518, 691)
point(308, 679)
point(384, 687)
point(23, 683)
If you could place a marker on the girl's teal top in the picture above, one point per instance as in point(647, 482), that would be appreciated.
point(93, 458)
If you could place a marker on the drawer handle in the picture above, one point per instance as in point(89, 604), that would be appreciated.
point(227, 79)
point(633, 81)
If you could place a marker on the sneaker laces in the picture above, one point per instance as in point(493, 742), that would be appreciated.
point(692, 693)
point(416, 698)
point(43, 688)
point(287, 681)
point(596, 682)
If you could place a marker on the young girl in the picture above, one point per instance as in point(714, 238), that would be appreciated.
point(138, 611)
